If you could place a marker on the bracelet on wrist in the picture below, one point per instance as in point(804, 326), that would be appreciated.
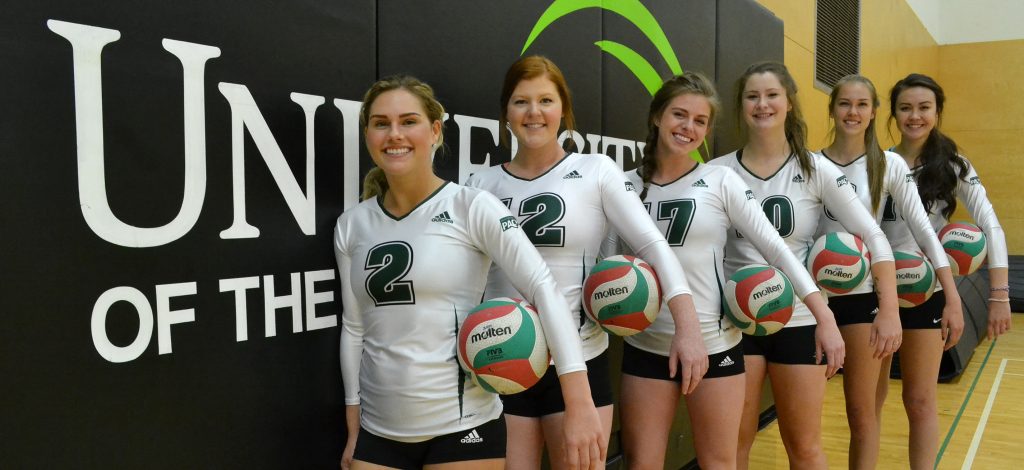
point(1005, 288)
point(993, 299)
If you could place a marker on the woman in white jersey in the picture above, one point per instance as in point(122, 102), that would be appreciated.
point(566, 203)
point(792, 184)
point(678, 191)
point(408, 403)
point(943, 176)
point(877, 177)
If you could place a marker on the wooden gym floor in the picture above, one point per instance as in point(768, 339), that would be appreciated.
point(981, 416)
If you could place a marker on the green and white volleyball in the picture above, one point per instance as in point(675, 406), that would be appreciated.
point(965, 246)
point(838, 262)
point(622, 295)
point(759, 299)
point(915, 278)
point(502, 346)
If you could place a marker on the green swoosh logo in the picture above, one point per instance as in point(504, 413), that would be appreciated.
point(637, 14)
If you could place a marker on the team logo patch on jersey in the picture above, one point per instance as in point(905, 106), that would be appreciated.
point(700, 184)
point(910, 178)
point(750, 194)
point(443, 217)
point(798, 179)
point(842, 181)
point(975, 181)
point(630, 186)
point(573, 175)
point(508, 222)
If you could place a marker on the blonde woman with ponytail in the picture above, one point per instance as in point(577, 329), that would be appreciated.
point(792, 184)
point(413, 259)
point(881, 180)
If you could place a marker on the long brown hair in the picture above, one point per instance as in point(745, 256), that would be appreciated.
point(936, 179)
point(688, 83)
point(795, 127)
point(875, 155)
point(528, 68)
point(375, 183)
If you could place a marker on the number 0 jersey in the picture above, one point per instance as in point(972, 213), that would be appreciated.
point(792, 201)
point(898, 190)
point(973, 195)
point(566, 213)
point(407, 284)
point(695, 212)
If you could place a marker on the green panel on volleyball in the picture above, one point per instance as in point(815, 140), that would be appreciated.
point(518, 346)
point(835, 244)
point(636, 301)
point(785, 299)
point(740, 321)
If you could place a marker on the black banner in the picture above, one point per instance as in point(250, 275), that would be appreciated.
point(172, 172)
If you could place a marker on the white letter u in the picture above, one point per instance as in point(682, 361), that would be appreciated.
point(87, 44)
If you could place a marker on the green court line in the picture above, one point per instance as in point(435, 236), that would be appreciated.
point(963, 406)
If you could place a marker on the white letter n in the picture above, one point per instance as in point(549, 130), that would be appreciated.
point(246, 115)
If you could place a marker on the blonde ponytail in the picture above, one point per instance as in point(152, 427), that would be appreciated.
point(374, 184)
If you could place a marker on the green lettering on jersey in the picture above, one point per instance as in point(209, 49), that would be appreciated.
point(779, 211)
point(390, 262)
point(679, 213)
point(542, 212)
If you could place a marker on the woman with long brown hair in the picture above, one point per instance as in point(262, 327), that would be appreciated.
point(943, 176)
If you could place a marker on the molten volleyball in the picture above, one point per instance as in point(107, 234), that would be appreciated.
point(501, 345)
point(622, 295)
point(915, 278)
point(838, 262)
point(759, 299)
point(965, 246)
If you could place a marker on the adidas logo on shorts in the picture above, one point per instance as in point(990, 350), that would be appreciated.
point(573, 175)
point(798, 179)
point(726, 362)
point(699, 184)
point(472, 438)
point(443, 217)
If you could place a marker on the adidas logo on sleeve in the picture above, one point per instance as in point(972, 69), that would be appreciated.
point(472, 438)
point(443, 217)
point(573, 175)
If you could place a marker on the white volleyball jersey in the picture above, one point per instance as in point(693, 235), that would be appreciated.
point(567, 213)
point(972, 194)
point(407, 284)
point(899, 188)
point(694, 213)
point(792, 202)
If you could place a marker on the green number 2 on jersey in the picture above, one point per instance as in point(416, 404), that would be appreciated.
point(542, 212)
point(390, 262)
